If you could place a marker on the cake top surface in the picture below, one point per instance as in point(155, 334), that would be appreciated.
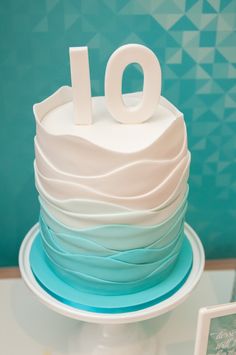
point(105, 131)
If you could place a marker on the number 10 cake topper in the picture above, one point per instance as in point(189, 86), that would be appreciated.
point(119, 60)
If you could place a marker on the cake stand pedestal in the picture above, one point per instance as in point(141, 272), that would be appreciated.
point(114, 334)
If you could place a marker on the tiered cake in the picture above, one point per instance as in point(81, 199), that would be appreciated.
point(113, 196)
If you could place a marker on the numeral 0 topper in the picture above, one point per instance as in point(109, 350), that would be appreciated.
point(119, 60)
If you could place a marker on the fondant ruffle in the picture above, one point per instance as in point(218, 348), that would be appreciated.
point(115, 237)
point(88, 258)
point(162, 192)
point(144, 174)
point(64, 291)
point(146, 218)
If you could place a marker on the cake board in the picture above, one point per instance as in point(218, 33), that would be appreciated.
point(112, 330)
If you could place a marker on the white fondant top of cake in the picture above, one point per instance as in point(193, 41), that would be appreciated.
point(105, 131)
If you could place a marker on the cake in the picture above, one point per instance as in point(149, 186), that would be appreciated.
point(113, 196)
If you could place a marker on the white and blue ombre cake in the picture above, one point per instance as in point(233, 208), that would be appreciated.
point(113, 199)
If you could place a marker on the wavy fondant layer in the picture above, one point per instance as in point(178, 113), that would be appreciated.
point(146, 218)
point(161, 191)
point(113, 268)
point(135, 178)
point(94, 206)
point(65, 293)
point(104, 160)
point(104, 240)
point(96, 286)
point(122, 271)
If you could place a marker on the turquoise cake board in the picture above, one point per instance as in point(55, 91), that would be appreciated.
point(63, 292)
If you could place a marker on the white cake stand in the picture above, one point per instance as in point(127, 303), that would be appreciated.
point(112, 335)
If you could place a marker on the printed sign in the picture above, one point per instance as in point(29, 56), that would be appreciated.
point(222, 336)
point(216, 331)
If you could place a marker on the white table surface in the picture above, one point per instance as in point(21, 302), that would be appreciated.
point(29, 328)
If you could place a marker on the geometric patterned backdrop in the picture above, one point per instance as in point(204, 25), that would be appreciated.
point(195, 43)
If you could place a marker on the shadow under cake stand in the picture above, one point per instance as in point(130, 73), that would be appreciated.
point(111, 334)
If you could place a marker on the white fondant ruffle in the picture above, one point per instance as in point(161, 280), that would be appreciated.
point(145, 217)
point(163, 192)
point(145, 175)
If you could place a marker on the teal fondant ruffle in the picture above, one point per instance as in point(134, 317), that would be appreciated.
point(88, 259)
